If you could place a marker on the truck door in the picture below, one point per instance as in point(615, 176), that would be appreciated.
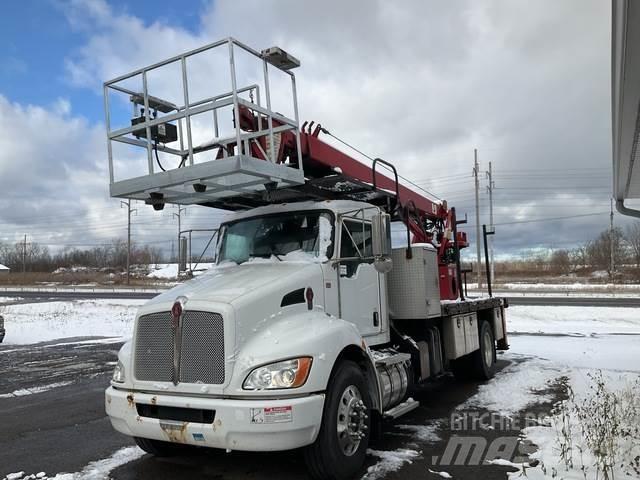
point(359, 281)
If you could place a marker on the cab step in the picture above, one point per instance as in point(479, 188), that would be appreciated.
point(403, 408)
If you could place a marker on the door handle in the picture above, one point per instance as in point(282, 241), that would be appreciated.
point(376, 320)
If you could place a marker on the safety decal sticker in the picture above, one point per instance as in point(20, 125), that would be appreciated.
point(272, 414)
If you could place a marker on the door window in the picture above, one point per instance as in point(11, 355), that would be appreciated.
point(355, 244)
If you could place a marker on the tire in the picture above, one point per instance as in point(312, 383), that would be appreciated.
point(338, 453)
point(159, 448)
point(484, 359)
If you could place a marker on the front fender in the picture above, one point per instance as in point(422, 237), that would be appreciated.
point(313, 334)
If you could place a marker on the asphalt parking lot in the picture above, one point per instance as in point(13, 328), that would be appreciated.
point(52, 410)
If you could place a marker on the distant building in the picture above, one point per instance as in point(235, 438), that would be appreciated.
point(4, 270)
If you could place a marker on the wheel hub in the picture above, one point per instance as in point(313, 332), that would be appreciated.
point(351, 423)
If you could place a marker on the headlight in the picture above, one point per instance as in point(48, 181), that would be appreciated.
point(286, 374)
point(118, 373)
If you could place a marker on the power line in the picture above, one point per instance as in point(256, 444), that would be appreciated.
point(324, 130)
point(551, 219)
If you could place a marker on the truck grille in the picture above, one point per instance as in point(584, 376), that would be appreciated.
point(201, 348)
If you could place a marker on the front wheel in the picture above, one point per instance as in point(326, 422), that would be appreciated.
point(339, 451)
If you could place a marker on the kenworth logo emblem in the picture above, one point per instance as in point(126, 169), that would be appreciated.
point(176, 315)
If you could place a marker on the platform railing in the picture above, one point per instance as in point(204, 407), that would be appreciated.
point(185, 112)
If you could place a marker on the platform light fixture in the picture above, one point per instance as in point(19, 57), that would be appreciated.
point(279, 58)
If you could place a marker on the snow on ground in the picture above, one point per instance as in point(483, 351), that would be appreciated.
point(607, 352)
point(524, 380)
point(555, 294)
point(40, 322)
point(601, 287)
point(547, 343)
point(94, 471)
point(169, 271)
point(390, 461)
point(30, 391)
point(587, 347)
point(9, 299)
point(596, 429)
point(572, 320)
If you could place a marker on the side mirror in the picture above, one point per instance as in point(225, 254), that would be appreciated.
point(381, 242)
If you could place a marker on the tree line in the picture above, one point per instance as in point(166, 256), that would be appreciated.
point(37, 258)
point(592, 255)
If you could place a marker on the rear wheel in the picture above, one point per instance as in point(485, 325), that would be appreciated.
point(484, 359)
point(478, 365)
point(339, 451)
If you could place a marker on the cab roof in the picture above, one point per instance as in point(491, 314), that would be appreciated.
point(336, 206)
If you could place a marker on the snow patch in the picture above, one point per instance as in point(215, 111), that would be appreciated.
point(41, 322)
point(97, 470)
point(440, 474)
point(30, 391)
point(572, 320)
point(390, 461)
point(15, 476)
point(522, 380)
point(326, 232)
point(506, 463)
point(169, 271)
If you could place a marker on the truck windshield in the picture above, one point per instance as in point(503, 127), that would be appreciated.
point(287, 236)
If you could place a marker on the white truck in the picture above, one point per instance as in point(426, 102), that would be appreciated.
point(310, 330)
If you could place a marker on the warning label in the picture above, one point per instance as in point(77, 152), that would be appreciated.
point(272, 414)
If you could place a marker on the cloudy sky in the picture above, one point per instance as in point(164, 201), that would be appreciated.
point(419, 83)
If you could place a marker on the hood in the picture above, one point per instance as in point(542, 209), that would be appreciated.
point(229, 282)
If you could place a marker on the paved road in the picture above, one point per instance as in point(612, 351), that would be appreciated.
point(40, 296)
point(65, 428)
point(44, 295)
point(628, 302)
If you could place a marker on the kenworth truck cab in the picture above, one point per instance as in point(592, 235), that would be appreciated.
point(310, 330)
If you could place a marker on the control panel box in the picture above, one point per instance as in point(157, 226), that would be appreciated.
point(413, 284)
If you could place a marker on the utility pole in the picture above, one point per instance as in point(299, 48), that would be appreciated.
point(490, 188)
point(476, 170)
point(24, 254)
point(611, 259)
point(179, 215)
point(128, 205)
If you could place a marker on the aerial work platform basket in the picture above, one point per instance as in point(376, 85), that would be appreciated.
point(204, 125)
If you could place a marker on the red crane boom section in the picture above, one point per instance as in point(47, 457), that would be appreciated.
point(318, 151)
point(428, 221)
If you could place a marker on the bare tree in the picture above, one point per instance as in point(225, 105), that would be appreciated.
point(599, 250)
point(632, 236)
point(560, 262)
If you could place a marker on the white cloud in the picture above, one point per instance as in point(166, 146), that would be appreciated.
point(418, 83)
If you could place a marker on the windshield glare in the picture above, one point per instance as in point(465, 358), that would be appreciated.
point(291, 236)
